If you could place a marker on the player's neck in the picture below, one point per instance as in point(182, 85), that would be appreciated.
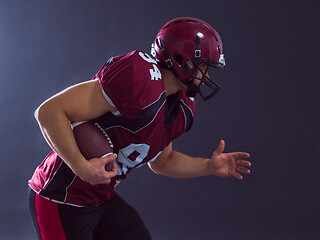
point(171, 83)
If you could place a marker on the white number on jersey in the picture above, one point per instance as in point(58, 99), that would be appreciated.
point(155, 72)
point(140, 151)
point(147, 58)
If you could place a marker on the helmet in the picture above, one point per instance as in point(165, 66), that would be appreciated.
point(182, 45)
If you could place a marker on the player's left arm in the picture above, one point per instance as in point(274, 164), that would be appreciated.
point(178, 165)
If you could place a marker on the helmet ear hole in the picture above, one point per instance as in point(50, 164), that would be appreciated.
point(178, 59)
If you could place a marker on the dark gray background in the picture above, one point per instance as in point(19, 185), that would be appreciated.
point(269, 106)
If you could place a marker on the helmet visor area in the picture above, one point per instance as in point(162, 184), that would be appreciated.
point(202, 72)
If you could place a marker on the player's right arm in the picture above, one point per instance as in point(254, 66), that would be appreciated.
point(80, 102)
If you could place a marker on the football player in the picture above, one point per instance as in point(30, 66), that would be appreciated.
point(143, 102)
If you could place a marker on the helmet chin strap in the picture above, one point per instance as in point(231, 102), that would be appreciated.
point(193, 89)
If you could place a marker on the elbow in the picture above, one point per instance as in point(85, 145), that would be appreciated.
point(156, 168)
point(36, 113)
point(41, 112)
point(160, 164)
point(44, 111)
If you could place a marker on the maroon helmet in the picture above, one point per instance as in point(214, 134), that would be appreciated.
point(182, 45)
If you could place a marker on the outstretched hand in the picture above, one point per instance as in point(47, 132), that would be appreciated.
point(229, 164)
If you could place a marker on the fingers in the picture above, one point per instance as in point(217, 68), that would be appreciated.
point(243, 163)
point(241, 155)
point(242, 170)
point(102, 169)
point(114, 168)
point(108, 157)
point(242, 166)
point(110, 167)
point(108, 162)
point(237, 176)
point(104, 177)
point(221, 146)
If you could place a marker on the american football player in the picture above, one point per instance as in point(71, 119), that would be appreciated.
point(143, 102)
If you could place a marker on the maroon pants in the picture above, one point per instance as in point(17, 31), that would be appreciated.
point(112, 220)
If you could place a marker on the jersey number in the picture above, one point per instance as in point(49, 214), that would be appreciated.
point(155, 72)
point(131, 155)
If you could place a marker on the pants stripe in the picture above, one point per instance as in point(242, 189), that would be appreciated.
point(47, 218)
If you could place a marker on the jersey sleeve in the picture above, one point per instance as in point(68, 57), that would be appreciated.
point(127, 84)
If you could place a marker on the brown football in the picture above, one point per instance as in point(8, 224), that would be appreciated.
point(92, 141)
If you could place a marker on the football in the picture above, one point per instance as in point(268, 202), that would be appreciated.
point(92, 141)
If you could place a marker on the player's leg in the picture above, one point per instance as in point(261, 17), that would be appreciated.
point(45, 217)
point(31, 202)
point(53, 221)
point(79, 222)
point(120, 221)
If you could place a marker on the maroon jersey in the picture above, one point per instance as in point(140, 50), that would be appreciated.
point(145, 123)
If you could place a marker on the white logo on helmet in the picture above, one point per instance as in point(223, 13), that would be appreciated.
point(222, 60)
